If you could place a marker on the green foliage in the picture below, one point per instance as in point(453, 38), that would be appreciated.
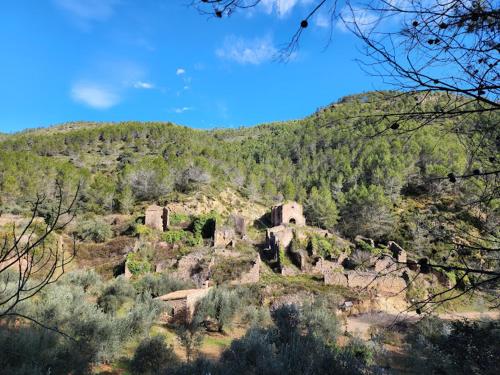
point(149, 179)
point(93, 335)
point(94, 229)
point(325, 247)
point(137, 264)
point(190, 338)
point(173, 236)
point(160, 284)
point(230, 268)
point(301, 342)
point(283, 259)
point(204, 225)
point(143, 231)
point(115, 294)
point(220, 304)
point(458, 347)
point(153, 356)
point(368, 213)
point(178, 218)
point(320, 208)
point(126, 200)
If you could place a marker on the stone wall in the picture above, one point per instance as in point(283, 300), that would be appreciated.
point(157, 217)
point(224, 236)
point(251, 276)
point(288, 213)
point(387, 284)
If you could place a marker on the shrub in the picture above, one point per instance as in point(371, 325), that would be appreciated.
point(220, 304)
point(324, 247)
point(88, 279)
point(178, 218)
point(229, 268)
point(137, 264)
point(190, 338)
point(173, 236)
point(94, 229)
point(143, 231)
point(115, 294)
point(141, 316)
point(152, 356)
point(161, 284)
point(204, 225)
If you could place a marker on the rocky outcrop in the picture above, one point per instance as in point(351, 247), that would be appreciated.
point(336, 278)
point(398, 253)
point(385, 265)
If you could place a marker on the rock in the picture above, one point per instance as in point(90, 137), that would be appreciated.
point(398, 252)
point(289, 271)
point(335, 278)
point(386, 264)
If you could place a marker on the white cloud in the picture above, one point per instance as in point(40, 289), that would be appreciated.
point(247, 51)
point(282, 7)
point(323, 20)
point(362, 18)
point(182, 109)
point(94, 95)
point(143, 85)
point(180, 71)
point(86, 11)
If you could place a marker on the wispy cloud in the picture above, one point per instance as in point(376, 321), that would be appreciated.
point(323, 20)
point(282, 7)
point(180, 110)
point(84, 12)
point(143, 85)
point(359, 17)
point(247, 51)
point(180, 71)
point(94, 95)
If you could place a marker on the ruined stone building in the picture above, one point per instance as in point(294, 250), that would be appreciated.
point(181, 304)
point(157, 217)
point(288, 213)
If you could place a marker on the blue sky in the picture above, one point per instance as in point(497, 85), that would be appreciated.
point(159, 60)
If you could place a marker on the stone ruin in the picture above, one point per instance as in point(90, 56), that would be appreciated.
point(227, 235)
point(181, 304)
point(157, 217)
point(288, 213)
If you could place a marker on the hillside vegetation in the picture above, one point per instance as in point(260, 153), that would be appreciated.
point(333, 156)
point(354, 172)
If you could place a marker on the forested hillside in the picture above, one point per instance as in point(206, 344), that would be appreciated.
point(333, 161)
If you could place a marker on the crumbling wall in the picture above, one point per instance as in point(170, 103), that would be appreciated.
point(157, 217)
point(288, 213)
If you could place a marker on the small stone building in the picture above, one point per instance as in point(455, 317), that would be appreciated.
point(288, 213)
point(182, 304)
point(157, 217)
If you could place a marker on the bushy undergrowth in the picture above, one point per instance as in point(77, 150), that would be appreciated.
point(81, 331)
